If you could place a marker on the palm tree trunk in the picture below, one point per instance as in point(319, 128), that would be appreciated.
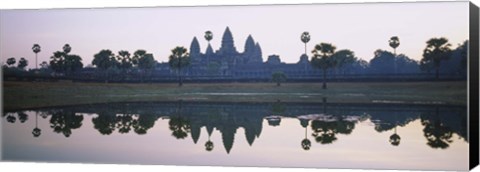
point(36, 62)
point(179, 78)
point(324, 86)
point(436, 72)
point(305, 48)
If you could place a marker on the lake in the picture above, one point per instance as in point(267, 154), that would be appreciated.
point(275, 134)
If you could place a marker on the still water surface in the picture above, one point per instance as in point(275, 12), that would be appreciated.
point(326, 135)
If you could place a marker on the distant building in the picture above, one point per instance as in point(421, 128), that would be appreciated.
point(227, 62)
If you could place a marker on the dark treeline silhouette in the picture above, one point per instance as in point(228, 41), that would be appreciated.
point(324, 63)
point(185, 119)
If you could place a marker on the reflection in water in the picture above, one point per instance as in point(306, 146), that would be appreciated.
point(36, 131)
point(65, 121)
point(325, 121)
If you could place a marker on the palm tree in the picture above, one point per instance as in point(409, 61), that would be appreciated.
point(394, 42)
point(305, 37)
point(437, 49)
point(11, 61)
point(67, 48)
point(179, 59)
point(322, 59)
point(208, 36)
point(36, 49)
point(22, 63)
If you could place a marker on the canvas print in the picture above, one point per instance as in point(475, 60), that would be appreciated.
point(369, 86)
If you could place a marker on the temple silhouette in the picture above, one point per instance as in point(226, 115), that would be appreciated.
point(227, 61)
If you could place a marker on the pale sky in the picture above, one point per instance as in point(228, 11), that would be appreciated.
point(362, 28)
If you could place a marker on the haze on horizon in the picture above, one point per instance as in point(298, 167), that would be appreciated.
point(362, 28)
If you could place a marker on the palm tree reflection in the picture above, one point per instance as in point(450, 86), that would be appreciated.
point(179, 125)
point(395, 138)
point(437, 134)
point(306, 143)
point(36, 131)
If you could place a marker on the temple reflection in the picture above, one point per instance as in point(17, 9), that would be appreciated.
point(322, 122)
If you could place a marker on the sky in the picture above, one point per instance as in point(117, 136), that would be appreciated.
point(276, 28)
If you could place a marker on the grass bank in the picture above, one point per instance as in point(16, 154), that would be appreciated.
point(21, 95)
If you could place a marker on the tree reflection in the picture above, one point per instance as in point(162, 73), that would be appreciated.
point(209, 144)
point(36, 131)
point(104, 123)
point(325, 131)
point(143, 123)
point(437, 134)
point(11, 118)
point(306, 143)
point(65, 122)
point(22, 117)
point(124, 123)
point(179, 126)
point(395, 138)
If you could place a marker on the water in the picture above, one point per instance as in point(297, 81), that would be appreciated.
point(277, 134)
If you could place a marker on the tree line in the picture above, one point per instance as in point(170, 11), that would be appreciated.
point(107, 65)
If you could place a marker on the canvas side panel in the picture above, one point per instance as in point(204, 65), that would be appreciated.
point(473, 80)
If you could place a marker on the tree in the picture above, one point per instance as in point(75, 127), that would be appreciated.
point(146, 63)
point(437, 49)
point(11, 61)
point(383, 63)
point(22, 63)
point(394, 42)
point(279, 77)
point(342, 58)
point(44, 65)
point(178, 60)
point(36, 49)
point(208, 36)
point(305, 37)
point(179, 126)
point(104, 60)
point(62, 62)
point(137, 55)
point(124, 60)
point(65, 122)
point(73, 63)
point(67, 48)
point(322, 59)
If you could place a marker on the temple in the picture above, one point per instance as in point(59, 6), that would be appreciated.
point(227, 62)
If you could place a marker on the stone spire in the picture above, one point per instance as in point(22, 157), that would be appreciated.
point(194, 46)
point(257, 54)
point(249, 45)
point(227, 47)
point(195, 50)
